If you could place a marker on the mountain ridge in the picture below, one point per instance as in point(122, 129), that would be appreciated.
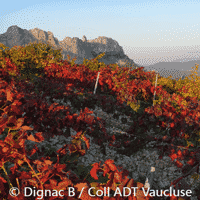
point(81, 48)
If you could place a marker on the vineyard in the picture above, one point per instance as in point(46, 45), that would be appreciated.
point(32, 77)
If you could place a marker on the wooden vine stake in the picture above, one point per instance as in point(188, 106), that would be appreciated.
point(96, 83)
point(155, 88)
point(149, 183)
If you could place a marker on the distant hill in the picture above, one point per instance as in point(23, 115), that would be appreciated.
point(166, 69)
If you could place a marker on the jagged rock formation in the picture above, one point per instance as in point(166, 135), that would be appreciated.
point(84, 39)
point(16, 36)
point(45, 36)
point(89, 49)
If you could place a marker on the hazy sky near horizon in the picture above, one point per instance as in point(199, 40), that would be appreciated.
point(141, 27)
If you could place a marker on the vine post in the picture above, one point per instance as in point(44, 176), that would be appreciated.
point(96, 83)
point(155, 88)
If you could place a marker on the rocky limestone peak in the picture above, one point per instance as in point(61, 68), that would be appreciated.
point(73, 45)
point(100, 39)
point(13, 30)
point(39, 34)
point(16, 36)
point(49, 33)
point(46, 37)
point(84, 39)
point(66, 40)
point(106, 45)
point(84, 48)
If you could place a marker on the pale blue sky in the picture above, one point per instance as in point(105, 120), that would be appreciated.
point(134, 24)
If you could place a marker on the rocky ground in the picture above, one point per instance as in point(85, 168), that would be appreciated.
point(138, 165)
